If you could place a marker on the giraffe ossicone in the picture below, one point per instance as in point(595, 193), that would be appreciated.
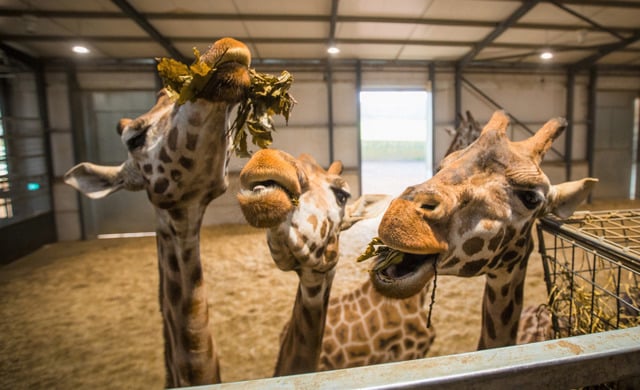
point(179, 154)
point(474, 217)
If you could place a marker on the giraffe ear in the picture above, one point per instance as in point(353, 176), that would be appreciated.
point(95, 181)
point(365, 207)
point(567, 196)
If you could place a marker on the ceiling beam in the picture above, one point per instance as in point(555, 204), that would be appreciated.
point(141, 21)
point(333, 20)
point(19, 55)
point(288, 40)
point(525, 7)
point(55, 14)
point(586, 19)
point(605, 50)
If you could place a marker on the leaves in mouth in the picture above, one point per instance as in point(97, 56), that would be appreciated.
point(377, 248)
point(267, 96)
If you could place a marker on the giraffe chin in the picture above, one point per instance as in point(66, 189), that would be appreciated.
point(265, 207)
point(405, 279)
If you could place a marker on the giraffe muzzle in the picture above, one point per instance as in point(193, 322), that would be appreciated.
point(406, 278)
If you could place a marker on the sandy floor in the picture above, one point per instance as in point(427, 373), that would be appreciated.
point(85, 314)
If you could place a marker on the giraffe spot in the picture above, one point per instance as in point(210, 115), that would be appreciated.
point(514, 331)
point(174, 292)
point(358, 332)
point(408, 343)
point(147, 168)
point(167, 204)
point(494, 262)
point(176, 214)
point(194, 119)
point(164, 156)
point(319, 252)
point(313, 247)
point(391, 316)
point(373, 320)
point(313, 221)
point(491, 276)
point(472, 268)
point(173, 263)
point(192, 141)
point(490, 294)
point(495, 241)
point(507, 313)
point(505, 289)
point(342, 333)
point(473, 246)
point(451, 262)
point(323, 229)
point(329, 345)
point(521, 242)
point(161, 185)
point(176, 175)
point(313, 291)
point(196, 275)
point(519, 293)
point(385, 340)
point(160, 168)
point(172, 139)
point(511, 232)
point(359, 351)
point(509, 256)
point(186, 162)
point(187, 196)
point(490, 327)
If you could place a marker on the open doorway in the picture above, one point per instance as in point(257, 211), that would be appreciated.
point(395, 140)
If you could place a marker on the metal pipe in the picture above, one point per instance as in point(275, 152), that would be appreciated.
point(564, 363)
point(359, 122)
point(568, 143)
point(432, 81)
point(329, 77)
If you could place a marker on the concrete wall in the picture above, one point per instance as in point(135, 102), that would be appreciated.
point(532, 98)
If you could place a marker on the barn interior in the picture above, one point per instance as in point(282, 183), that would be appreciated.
point(379, 86)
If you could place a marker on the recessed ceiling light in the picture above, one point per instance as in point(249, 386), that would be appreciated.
point(80, 49)
point(546, 55)
point(333, 50)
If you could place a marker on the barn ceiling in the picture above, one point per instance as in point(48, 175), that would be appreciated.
point(462, 32)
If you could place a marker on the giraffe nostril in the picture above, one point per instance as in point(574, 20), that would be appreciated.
point(429, 206)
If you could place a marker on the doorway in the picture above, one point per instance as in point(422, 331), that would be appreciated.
point(395, 139)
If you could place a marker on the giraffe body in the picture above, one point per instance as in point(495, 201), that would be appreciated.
point(474, 217)
point(179, 155)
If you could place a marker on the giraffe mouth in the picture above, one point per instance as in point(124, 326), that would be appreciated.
point(405, 278)
point(266, 203)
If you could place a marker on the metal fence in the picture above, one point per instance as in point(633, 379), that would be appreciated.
point(592, 270)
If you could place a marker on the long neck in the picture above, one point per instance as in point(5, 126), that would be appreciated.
point(301, 340)
point(190, 355)
point(502, 301)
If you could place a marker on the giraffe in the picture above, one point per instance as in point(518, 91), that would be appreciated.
point(179, 155)
point(304, 208)
point(468, 131)
point(474, 217)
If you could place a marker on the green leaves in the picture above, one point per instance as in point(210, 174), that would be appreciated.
point(267, 96)
point(377, 248)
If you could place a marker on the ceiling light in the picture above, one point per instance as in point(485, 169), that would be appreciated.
point(80, 49)
point(546, 55)
point(333, 50)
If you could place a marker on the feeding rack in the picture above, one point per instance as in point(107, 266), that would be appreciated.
point(592, 270)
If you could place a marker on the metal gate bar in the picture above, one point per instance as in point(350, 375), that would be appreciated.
point(560, 364)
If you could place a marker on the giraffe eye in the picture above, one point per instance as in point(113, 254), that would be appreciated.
point(341, 196)
point(530, 199)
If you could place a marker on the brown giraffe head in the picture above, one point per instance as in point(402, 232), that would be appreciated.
point(177, 153)
point(304, 207)
point(474, 216)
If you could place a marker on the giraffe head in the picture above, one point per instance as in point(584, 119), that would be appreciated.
point(304, 207)
point(177, 153)
point(474, 216)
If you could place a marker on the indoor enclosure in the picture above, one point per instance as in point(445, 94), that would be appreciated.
point(415, 99)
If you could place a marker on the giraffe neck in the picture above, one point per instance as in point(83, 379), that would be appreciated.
point(190, 355)
point(502, 301)
point(301, 340)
